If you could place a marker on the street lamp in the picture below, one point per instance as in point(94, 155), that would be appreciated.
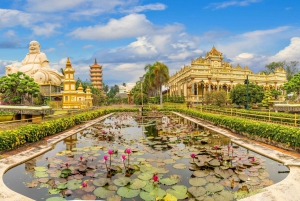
point(202, 86)
point(247, 92)
point(142, 80)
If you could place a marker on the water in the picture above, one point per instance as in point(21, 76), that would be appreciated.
point(147, 142)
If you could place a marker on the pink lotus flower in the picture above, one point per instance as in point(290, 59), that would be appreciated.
point(240, 158)
point(216, 147)
point(193, 155)
point(67, 164)
point(84, 184)
point(110, 151)
point(128, 150)
point(81, 158)
point(155, 178)
point(228, 147)
point(252, 159)
point(105, 158)
point(123, 157)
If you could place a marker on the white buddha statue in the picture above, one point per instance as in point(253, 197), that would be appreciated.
point(36, 65)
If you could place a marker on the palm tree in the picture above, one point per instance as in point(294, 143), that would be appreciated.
point(161, 76)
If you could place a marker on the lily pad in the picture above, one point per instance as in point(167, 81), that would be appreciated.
point(101, 182)
point(223, 196)
point(38, 174)
point(54, 191)
point(155, 192)
point(56, 199)
point(127, 192)
point(61, 186)
point(180, 166)
point(74, 184)
point(196, 191)
point(145, 176)
point(122, 181)
point(179, 191)
point(200, 173)
point(137, 184)
point(114, 198)
point(102, 192)
point(89, 197)
point(40, 169)
point(168, 181)
point(214, 187)
point(197, 181)
point(243, 177)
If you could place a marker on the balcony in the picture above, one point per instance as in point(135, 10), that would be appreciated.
point(95, 71)
point(96, 79)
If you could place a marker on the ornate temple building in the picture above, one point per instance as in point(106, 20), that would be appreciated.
point(72, 98)
point(96, 75)
point(211, 73)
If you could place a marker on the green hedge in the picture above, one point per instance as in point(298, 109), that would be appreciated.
point(34, 132)
point(274, 116)
point(278, 133)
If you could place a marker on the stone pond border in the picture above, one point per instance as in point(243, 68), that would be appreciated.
point(6, 194)
point(287, 189)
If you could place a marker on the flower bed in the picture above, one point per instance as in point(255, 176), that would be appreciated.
point(272, 132)
point(34, 132)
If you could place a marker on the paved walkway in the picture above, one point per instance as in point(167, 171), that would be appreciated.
point(6, 163)
point(289, 188)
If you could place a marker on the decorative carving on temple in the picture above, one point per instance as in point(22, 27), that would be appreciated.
point(213, 52)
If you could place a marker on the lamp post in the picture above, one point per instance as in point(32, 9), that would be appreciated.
point(142, 80)
point(202, 87)
point(247, 93)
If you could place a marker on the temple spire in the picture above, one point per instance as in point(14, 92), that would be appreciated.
point(95, 62)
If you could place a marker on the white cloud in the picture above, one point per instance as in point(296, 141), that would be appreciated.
point(137, 9)
point(46, 29)
point(259, 33)
point(11, 18)
point(51, 49)
point(132, 25)
point(9, 34)
point(289, 53)
point(226, 4)
point(87, 46)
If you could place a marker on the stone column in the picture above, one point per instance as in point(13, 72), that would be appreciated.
point(209, 85)
point(197, 92)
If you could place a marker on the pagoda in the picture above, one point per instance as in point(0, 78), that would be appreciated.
point(96, 75)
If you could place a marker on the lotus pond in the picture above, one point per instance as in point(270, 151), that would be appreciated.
point(127, 157)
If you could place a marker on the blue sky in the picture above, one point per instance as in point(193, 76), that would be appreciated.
point(125, 35)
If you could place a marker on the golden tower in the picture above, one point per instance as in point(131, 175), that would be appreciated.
point(96, 75)
point(69, 93)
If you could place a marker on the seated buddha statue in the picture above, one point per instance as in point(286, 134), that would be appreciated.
point(36, 65)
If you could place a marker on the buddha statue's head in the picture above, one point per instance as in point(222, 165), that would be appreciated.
point(34, 47)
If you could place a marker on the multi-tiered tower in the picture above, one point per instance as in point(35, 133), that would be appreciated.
point(96, 75)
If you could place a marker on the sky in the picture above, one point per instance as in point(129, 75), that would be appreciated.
point(126, 35)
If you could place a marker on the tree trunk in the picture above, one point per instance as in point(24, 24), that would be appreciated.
point(161, 100)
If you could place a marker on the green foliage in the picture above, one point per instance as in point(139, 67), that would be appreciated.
point(219, 98)
point(293, 85)
point(250, 128)
point(267, 98)
point(138, 98)
point(113, 91)
point(238, 95)
point(34, 132)
point(17, 87)
point(275, 93)
point(290, 68)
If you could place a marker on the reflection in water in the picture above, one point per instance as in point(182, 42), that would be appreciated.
point(71, 142)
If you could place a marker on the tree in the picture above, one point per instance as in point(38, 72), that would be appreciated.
point(105, 88)
point(156, 76)
point(290, 68)
point(113, 91)
point(293, 85)
point(238, 95)
point(124, 84)
point(18, 88)
point(219, 98)
point(267, 98)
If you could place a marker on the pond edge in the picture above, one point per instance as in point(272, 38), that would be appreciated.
point(6, 194)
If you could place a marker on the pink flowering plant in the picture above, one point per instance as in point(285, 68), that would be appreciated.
point(128, 151)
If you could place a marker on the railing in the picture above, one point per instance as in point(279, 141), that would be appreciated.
point(293, 120)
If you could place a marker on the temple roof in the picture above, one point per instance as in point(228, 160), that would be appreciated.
point(69, 66)
point(96, 64)
point(214, 52)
